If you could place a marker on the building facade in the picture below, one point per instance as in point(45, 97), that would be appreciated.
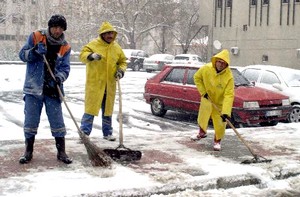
point(256, 31)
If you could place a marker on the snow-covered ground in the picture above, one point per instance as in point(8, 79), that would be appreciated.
point(171, 165)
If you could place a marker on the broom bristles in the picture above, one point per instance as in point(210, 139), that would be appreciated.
point(95, 154)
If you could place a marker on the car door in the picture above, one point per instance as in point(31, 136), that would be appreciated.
point(172, 88)
point(190, 96)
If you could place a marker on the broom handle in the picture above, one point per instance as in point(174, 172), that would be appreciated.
point(234, 129)
point(62, 96)
point(120, 114)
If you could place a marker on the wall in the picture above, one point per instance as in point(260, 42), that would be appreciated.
point(260, 36)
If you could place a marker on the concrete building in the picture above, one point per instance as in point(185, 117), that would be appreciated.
point(255, 31)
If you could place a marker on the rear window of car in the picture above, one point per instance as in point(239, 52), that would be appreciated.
point(176, 75)
point(190, 79)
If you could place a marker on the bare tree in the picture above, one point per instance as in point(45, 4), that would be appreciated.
point(131, 18)
point(162, 12)
point(151, 24)
point(188, 25)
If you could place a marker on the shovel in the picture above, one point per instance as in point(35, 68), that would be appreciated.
point(256, 158)
point(121, 153)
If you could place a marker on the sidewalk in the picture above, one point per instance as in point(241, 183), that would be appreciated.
point(166, 167)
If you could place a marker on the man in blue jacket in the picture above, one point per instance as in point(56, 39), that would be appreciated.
point(40, 88)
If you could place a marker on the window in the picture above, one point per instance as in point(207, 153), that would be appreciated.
point(265, 2)
point(265, 58)
point(181, 58)
point(239, 79)
point(219, 3)
point(285, 1)
point(251, 74)
point(2, 18)
point(253, 2)
point(269, 78)
point(176, 75)
point(190, 79)
point(229, 3)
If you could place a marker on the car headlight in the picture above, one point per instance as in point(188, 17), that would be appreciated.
point(252, 104)
point(285, 102)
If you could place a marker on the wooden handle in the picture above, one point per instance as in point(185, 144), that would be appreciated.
point(120, 113)
point(234, 129)
point(62, 96)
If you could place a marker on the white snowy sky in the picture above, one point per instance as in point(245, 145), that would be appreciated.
point(77, 179)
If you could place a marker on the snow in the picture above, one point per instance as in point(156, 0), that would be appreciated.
point(145, 132)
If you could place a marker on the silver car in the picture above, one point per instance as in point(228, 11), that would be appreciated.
point(280, 79)
point(157, 61)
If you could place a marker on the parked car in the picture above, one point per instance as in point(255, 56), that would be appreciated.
point(135, 58)
point(173, 89)
point(280, 79)
point(157, 61)
point(187, 59)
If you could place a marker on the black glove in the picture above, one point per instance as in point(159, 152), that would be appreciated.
point(94, 56)
point(205, 96)
point(224, 117)
point(58, 81)
point(119, 74)
point(40, 48)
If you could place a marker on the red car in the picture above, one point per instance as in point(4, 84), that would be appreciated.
point(174, 89)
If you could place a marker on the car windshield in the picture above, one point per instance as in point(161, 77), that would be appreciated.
point(239, 79)
point(181, 58)
point(292, 79)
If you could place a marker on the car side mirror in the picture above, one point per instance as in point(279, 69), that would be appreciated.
point(278, 86)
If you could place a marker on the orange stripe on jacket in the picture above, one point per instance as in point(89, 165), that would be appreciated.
point(39, 36)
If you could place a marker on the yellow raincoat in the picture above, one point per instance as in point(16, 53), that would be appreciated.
point(220, 90)
point(100, 74)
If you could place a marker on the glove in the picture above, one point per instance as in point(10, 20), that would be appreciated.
point(205, 96)
point(40, 49)
point(224, 117)
point(58, 81)
point(94, 56)
point(119, 74)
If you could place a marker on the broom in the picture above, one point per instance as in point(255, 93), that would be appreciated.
point(256, 158)
point(95, 154)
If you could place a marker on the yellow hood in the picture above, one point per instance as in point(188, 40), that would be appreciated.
point(224, 55)
point(107, 27)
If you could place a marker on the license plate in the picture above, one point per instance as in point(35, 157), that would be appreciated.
point(274, 113)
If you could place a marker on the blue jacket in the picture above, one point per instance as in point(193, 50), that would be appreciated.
point(34, 78)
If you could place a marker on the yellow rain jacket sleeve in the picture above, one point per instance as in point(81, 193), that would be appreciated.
point(100, 74)
point(220, 90)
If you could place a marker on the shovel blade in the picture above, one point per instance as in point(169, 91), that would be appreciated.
point(123, 155)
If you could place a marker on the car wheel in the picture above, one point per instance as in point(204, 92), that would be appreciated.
point(294, 116)
point(157, 107)
point(271, 123)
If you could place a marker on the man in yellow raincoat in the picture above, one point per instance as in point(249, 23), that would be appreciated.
point(105, 62)
point(215, 84)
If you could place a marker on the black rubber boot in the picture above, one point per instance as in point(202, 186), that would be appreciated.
point(61, 153)
point(28, 150)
